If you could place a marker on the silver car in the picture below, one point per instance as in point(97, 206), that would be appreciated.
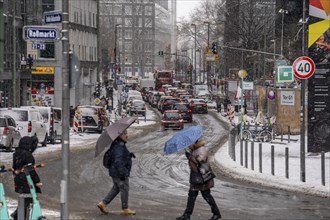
point(9, 133)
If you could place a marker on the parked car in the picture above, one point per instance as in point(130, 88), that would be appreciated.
point(30, 120)
point(137, 107)
point(184, 110)
point(172, 119)
point(9, 133)
point(198, 107)
point(92, 118)
point(53, 120)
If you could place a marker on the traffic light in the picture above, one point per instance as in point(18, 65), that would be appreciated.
point(214, 48)
point(161, 53)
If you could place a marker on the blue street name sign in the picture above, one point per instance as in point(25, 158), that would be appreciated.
point(40, 33)
point(52, 17)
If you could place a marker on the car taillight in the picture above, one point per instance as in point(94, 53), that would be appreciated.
point(204, 105)
point(165, 103)
point(188, 110)
point(99, 120)
point(30, 127)
point(193, 105)
point(5, 131)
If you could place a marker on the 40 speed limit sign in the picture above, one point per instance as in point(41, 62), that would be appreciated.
point(303, 67)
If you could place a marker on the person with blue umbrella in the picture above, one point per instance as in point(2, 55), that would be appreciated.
point(196, 153)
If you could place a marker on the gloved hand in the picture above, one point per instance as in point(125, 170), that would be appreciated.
point(188, 154)
point(132, 155)
point(122, 178)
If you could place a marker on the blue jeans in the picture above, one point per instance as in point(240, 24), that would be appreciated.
point(121, 186)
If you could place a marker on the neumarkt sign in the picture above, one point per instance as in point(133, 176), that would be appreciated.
point(41, 33)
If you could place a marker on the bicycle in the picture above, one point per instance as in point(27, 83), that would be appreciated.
point(256, 133)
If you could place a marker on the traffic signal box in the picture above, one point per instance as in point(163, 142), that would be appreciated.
point(211, 54)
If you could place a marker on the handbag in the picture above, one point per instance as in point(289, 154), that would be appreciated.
point(196, 178)
point(205, 171)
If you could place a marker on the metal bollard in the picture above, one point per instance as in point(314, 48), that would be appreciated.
point(287, 162)
point(289, 134)
point(252, 155)
point(281, 135)
point(322, 168)
point(246, 154)
point(272, 160)
point(21, 205)
point(241, 152)
point(260, 157)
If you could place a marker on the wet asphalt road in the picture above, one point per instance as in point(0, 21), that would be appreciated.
point(159, 184)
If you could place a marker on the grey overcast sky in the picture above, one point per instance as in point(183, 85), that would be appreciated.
point(184, 7)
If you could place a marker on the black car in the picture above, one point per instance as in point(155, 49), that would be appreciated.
point(184, 110)
point(198, 107)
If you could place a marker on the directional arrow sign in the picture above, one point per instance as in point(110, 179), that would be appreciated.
point(41, 33)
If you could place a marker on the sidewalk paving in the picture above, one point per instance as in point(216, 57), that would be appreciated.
point(313, 184)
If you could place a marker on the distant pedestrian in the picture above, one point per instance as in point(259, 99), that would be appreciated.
point(195, 154)
point(218, 102)
point(119, 169)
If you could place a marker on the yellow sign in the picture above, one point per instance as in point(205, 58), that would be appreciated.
point(43, 70)
point(211, 57)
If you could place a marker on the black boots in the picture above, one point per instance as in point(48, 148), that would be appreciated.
point(215, 217)
point(183, 217)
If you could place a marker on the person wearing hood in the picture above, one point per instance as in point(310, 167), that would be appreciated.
point(195, 154)
point(22, 157)
point(119, 169)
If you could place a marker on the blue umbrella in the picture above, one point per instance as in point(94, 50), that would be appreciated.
point(183, 139)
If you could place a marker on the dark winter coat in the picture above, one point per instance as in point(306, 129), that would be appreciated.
point(22, 157)
point(199, 153)
point(121, 161)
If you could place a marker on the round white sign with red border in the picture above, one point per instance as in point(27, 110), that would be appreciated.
point(303, 67)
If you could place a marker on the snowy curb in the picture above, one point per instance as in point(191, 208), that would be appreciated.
point(232, 169)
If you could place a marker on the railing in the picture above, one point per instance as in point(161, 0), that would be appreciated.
point(245, 157)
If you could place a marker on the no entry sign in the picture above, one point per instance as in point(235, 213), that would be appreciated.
point(303, 67)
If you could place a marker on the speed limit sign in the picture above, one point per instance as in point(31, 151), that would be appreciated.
point(303, 67)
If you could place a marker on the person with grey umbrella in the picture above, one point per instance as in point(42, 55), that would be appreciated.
point(120, 164)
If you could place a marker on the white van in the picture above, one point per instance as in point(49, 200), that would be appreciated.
point(53, 120)
point(30, 120)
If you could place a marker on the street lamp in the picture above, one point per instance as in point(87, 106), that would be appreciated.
point(194, 25)
point(115, 52)
point(282, 11)
point(208, 46)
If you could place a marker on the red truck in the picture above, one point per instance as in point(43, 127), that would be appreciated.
point(163, 77)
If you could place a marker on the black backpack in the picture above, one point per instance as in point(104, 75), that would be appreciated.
point(107, 158)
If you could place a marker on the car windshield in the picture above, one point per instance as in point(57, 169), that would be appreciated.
point(2, 122)
point(171, 115)
point(17, 115)
point(88, 111)
point(44, 113)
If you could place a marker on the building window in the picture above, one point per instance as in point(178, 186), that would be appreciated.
point(128, 46)
point(47, 5)
point(128, 22)
point(128, 34)
point(128, 10)
point(49, 52)
point(148, 10)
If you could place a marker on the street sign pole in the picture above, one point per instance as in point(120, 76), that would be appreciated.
point(303, 67)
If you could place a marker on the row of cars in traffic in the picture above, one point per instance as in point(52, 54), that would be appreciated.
point(46, 123)
point(43, 122)
point(176, 105)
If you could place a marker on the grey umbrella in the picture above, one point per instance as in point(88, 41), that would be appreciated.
point(112, 132)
